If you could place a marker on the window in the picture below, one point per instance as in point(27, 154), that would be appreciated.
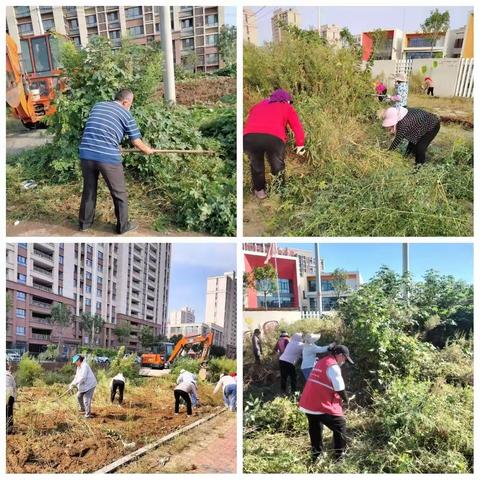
point(100, 254)
point(60, 259)
point(88, 302)
point(76, 41)
point(73, 24)
point(187, 44)
point(21, 260)
point(133, 12)
point(136, 31)
point(188, 23)
point(22, 11)
point(89, 263)
point(60, 290)
point(458, 43)
point(21, 296)
point(88, 275)
point(21, 278)
point(112, 17)
point(212, 40)
point(115, 35)
point(25, 28)
point(212, 20)
point(89, 249)
point(99, 305)
point(212, 58)
point(24, 245)
point(91, 20)
point(88, 289)
point(99, 292)
point(48, 24)
point(21, 330)
point(100, 268)
point(20, 312)
point(99, 280)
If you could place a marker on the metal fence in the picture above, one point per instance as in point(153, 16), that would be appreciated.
point(464, 83)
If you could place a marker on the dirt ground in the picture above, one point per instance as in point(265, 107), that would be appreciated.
point(52, 437)
point(196, 451)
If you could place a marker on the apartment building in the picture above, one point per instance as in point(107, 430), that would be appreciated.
point(290, 17)
point(331, 33)
point(123, 283)
point(195, 30)
point(250, 31)
point(190, 329)
point(221, 308)
point(184, 315)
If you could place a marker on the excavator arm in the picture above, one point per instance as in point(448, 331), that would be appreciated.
point(205, 340)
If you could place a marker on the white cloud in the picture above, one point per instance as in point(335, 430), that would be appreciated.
point(218, 256)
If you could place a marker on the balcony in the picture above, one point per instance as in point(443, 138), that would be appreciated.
point(186, 32)
point(38, 303)
point(43, 271)
point(40, 336)
point(42, 254)
point(42, 320)
point(43, 287)
point(70, 11)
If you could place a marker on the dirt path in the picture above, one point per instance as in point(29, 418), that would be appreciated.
point(26, 228)
point(209, 448)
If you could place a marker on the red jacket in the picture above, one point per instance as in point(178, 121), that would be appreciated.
point(272, 119)
point(318, 394)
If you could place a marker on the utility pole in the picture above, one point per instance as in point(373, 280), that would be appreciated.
point(169, 70)
point(35, 12)
point(406, 258)
point(318, 277)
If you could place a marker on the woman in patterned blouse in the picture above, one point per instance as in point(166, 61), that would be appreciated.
point(416, 126)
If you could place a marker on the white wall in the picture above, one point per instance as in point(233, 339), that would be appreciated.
point(256, 318)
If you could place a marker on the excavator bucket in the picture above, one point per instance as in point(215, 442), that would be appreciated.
point(13, 95)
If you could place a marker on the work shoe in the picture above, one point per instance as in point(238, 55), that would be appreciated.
point(260, 194)
point(131, 227)
point(81, 411)
point(89, 416)
point(84, 228)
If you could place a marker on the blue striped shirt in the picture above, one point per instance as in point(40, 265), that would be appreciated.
point(106, 126)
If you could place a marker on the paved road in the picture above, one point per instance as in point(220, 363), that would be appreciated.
point(19, 138)
point(209, 448)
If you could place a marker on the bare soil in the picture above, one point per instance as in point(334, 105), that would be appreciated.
point(52, 437)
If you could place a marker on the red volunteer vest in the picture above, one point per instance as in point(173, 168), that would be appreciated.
point(318, 394)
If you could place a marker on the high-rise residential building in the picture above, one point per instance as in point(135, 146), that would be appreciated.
point(221, 307)
point(195, 30)
point(125, 283)
point(289, 17)
point(250, 32)
point(331, 33)
point(184, 315)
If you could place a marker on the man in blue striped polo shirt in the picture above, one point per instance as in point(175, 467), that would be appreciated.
point(106, 126)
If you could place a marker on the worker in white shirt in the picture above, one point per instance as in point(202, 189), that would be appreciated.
point(287, 361)
point(186, 376)
point(184, 391)
point(117, 383)
point(85, 382)
point(11, 396)
point(309, 352)
point(228, 384)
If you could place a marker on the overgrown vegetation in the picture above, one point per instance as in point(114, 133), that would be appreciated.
point(413, 378)
point(197, 192)
point(349, 184)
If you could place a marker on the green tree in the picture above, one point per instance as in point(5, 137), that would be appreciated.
point(379, 43)
point(347, 37)
point(435, 25)
point(122, 332)
point(264, 279)
point(92, 325)
point(147, 337)
point(227, 44)
point(61, 316)
point(339, 282)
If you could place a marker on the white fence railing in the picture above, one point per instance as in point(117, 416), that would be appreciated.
point(404, 66)
point(464, 83)
point(315, 314)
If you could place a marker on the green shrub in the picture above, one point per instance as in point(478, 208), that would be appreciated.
point(185, 363)
point(124, 364)
point(220, 365)
point(29, 370)
point(51, 353)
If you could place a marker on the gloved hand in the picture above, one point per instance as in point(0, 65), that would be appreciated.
point(300, 150)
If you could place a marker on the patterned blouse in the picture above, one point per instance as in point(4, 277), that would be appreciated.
point(401, 90)
point(414, 125)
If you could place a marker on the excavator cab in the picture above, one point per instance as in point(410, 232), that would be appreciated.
point(158, 356)
point(34, 76)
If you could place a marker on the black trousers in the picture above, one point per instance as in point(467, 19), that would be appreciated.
point(336, 424)
point(9, 417)
point(430, 91)
point(181, 394)
point(256, 146)
point(287, 370)
point(120, 386)
point(115, 180)
point(420, 149)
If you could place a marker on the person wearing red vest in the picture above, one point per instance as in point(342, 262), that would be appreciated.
point(265, 134)
point(322, 400)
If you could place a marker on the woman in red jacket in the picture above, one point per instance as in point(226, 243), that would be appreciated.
point(265, 133)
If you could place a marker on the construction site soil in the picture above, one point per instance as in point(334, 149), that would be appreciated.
point(50, 435)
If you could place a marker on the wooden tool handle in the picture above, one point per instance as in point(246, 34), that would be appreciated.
point(189, 152)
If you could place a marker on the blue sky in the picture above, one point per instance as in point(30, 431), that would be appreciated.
point(361, 19)
point(191, 264)
point(230, 15)
point(447, 258)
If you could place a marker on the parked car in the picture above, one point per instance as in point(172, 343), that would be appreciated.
point(13, 357)
point(102, 360)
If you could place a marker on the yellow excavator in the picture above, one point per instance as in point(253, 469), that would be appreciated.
point(164, 354)
point(34, 77)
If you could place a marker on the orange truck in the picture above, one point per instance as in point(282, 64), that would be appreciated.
point(33, 77)
point(164, 354)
